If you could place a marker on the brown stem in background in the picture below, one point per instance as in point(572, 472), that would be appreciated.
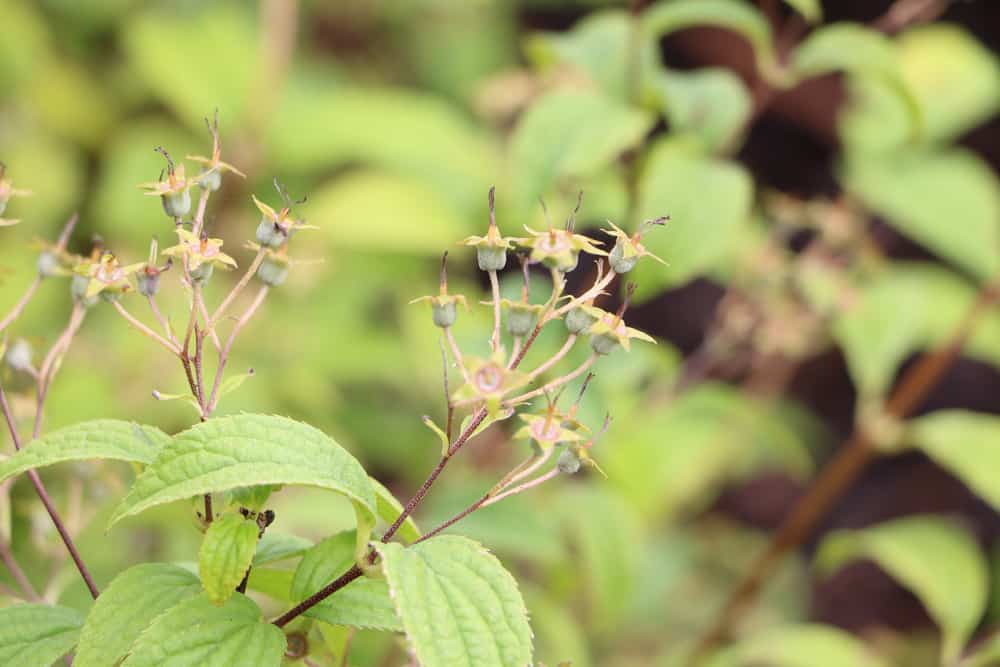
point(850, 461)
point(18, 574)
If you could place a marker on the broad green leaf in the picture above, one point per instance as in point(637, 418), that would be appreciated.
point(252, 497)
point(669, 16)
point(98, 439)
point(798, 646)
point(810, 10)
point(36, 635)
point(566, 135)
point(389, 509)
point(935, 559)
point(228, 452)
point(271, 582)
point(984, 655)
point(197, 632)
point(712, 104)
point(852, 48)
point(128, 606)
point(708, 201)
point(225, 555)
point(275, 546)
point(915, 190)
point(600, 47)
point(363, 603)
point(967, 444)
point(458, 605)
point(927, 303)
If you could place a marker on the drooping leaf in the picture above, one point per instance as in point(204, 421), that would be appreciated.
point(915, 190)
point(363, 603)
point(565, 135)
point(935, 559)
point(197, 632)
point(458, 605)
point(798, 646)
point(275, 546)
point(967, 444)
point(225, 554)
point(389, 509)
point(713, 104)
point(668, 16)
point(708, 201)
point(128, 606)
point(98, 439)
point(36, 635)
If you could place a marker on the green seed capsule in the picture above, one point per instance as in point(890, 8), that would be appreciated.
point(148, 284)
point(444, 314)
point(272, 273)
point(78, 290)
point(210, 180)
point(578, 321)
point(569, 462)
point(604, 343)
point(618, 261)
point(18, 355)
point(520, 320)
point(269, 234)
point(202, 273)
point(48, 264)
point(491, 258)
point(177, 204)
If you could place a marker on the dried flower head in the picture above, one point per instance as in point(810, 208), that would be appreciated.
point(489, 380)
point(609, 331)
point(213, 167)
point(491, 250)
point(559, 248)
point(276, 227)
point(198, 251)
point(106, 275)
point(629, 249)
point(443, 305)
point(175, 191)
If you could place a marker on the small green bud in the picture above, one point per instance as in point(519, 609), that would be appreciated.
point(177, 204)
point(578, 321)
point(444, 313)
point(18, 355)
point(203, 272)
point(78, 290)
point(521, 319)
point(569, 462)
point(210, 179)
point(618, 261)
point(269, 234)
point(272, 272)
point(491, 257)
point(48, 264)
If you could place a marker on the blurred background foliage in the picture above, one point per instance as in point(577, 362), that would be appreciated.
point(395, 118)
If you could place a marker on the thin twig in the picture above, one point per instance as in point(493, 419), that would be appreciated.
point(237, 289)
point(224, 355)
point(50, 365)
point(495, 287)
point(7, 556)
point(143, 329)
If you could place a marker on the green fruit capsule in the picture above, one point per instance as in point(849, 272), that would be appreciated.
point(48, 264)
point(618, 261)
point(491, 258)
point(202, 273)
point(177, 204)
point(269, 234)
point(578, 321)
point(148, 283)
point(604, 343)
point(521, 319)
point(78, 290)
point(444, 314)
point(210, 180)
point(272, 272)
point(569, 462)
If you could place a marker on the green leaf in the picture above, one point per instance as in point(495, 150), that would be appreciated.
point(669, 16)
point(708, 201)
point(985, 655)
point(127, 606)
point(363, 603)
point(810, 10)
point(98, 439)
point(458, 605)
point(935, 559)
point(252, 497)
point(916, 189)
point(808, 645)
point(389, 509)
point(271, 582)
point(600, 47)
point(197, 632)
point(36, 635)
point(225, 555)
point(967, 444)
point(229, 452)
point(275, 546)
point(713, 104)
point(567, 135)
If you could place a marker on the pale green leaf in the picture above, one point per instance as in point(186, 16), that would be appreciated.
point(197, 632)
point(127, 606)
point(565, 135)
point(708, 201)
point(986, 654)
point(967, 444)
point(810, 10)
point(713, 104)
point(275, 546)
point(916, 190)
point(36, 635)
point(363, 603)
point(98, 439)
point(934, 558)
point(271, 582)
point(669, 16)
point(225, 554)
point(389, 509)
point(458, 605)
point(229, 452)
point(798, 646)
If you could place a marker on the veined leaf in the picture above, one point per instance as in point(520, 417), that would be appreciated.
point(935, 559)
point(98, 439)
point(965, 443)
point(389, 509)
point(36, 635)
point(458, 605)
point(809, 645)
point(127, 606)
point(275, 546)
point(363, 603)
point(229, 452)
point(271, 582)
point(712, 104)
point(225, 554)
point(197, 632)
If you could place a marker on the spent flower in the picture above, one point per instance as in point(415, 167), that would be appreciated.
point(199, 251)
point(491, 250)
point(629, 249)
point(213, 167)
point(276, 227)
point(559, 248)
point(175, 192)
point(443, 305)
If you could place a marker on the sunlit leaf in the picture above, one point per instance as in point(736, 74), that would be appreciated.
point(225, 555)
point(932, 557)
point(36, 635)
point(798, 646)
point(458, 605)
point(127, 606)
point(967, 444)
point(275, 546)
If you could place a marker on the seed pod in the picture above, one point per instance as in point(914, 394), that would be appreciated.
point(269, 234)
point(148, 282)
point(578, 321)
point(48, 264)
point(202, 273)
point(78, 290)
point(273, 271)
point(491, 257)
point(18, 355)
point(444, 313)
point(210, 180)
point(619, 262)
point(569, 462)
point(521, 319)
point(604, 343)
point(177, 204)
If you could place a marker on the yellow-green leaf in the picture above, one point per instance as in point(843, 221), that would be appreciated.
point(225, 554)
